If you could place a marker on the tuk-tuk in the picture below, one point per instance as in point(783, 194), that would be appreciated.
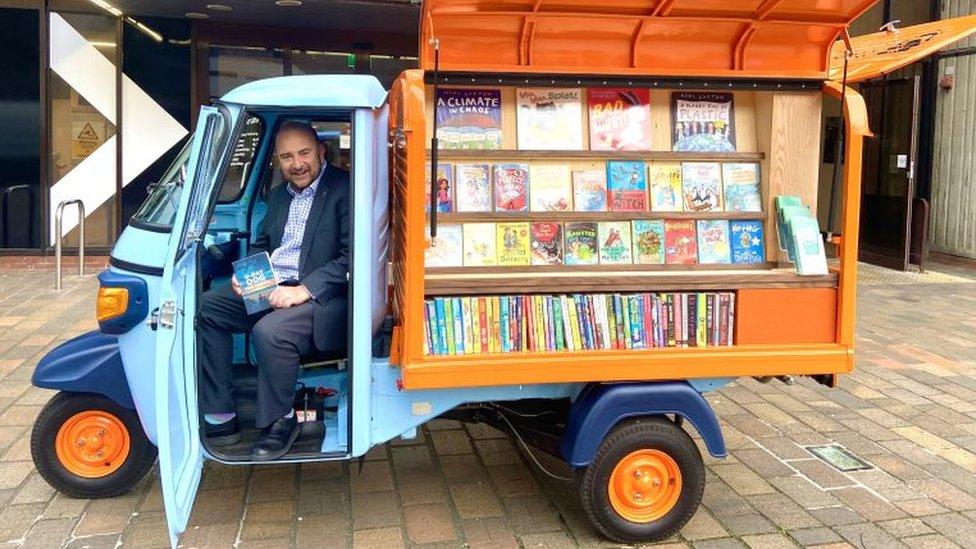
point(129, 390)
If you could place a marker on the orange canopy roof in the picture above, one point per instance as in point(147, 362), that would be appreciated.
point(684, 38)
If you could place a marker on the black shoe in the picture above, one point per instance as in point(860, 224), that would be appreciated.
point(223, 434)
point(276, 439)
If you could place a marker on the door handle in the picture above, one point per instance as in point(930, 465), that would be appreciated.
point(153, 320)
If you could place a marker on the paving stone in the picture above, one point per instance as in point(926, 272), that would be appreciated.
point(783, 511)
point(475, 500)
point(904, 528)
point(945, 494)
point(451, 442)
point(497, 452)
point(49, 533)
point(837, 515)
point(722, 543)
point(321, 498)
point(267, 520)
point(220, 506)
point(531, 514)
point(106, 516)
point(34, 490)
point(954, 526)
point(491, 532)
point(930, 541)
point(513, 480)
point(375, 509)
point(381, 538)
point(769, 541)
point(920, 507)
point(764, 463)
point(752, 523)
point(741, 479)
point(814, 536)
point(13, 473)
point(107, 541)
point(804, 492)
point(62, 506)
point(323, 530)
point(868, 505)
point(147, 530)
point(214, 535)
point(483, 430)
point(462, 469)
point(421, 488)
point(374, 477)
point(867, 535)
point(548, 540)
point(409, 460)
point(429, 523)
point(271, 485)
point(702, 526)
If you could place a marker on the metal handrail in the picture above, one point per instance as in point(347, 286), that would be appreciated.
point(57, 243)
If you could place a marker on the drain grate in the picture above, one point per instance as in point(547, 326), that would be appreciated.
point(839, 458)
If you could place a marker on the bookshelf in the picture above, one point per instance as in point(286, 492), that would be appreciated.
point(653, 156)
point(462, 217)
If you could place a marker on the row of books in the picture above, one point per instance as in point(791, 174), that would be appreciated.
point(596, 243)
point(622, 186)
point(619, 119)
point(502, 324)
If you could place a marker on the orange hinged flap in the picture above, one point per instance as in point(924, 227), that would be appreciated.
point(679, 38)
point(882, 52)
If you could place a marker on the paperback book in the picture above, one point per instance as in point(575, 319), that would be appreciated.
point(512, 244)
point(550, 188)
point(472, 188)
point(511, 187)
point(620, 119)
point(479, 244)
point(680, 242)
point(257, 279)
point(550, 118)
point(590, 190)
point(666, 194)
point(703, 122)
point(713, 241)
point(746, 238)
point(469, 118)
point(627, 186)
point(614, 242)
point(648, 241)
point(741, 183)
point(581, 244)
point(702, 186)
point(809, 253)
point(445, 250)
point(547, 243)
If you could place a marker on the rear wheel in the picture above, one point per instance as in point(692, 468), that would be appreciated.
point(88, 446)
point(644, 483)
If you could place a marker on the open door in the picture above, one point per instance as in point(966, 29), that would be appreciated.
point(180, 451)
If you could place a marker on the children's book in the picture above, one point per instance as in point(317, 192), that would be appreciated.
point(479, 244)
point(590, 190)
point(257, 279)
point(702, 186)
point(445, 249)
point(746, 238)
point(550, 118)
point(810, 257)
point(680, 242)
point(445, 188)
point(469, 118)
point(512, 244)
point(550, 188)
point(741, 183)
point(511, 188)
point(547, 243)
point(581, 244)
point(620, 119)
point(702, 122)
point(666, 195)
point(648, 241)
point(713, 241)
point(472, 188)
point(627, 186)
point(614, 242)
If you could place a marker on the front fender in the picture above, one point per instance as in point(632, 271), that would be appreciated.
point(89, 363)
point(600, 407)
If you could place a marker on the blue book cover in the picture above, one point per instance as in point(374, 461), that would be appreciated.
point(458, 327)
point(503, 324)
point(441, 326)
point(637, 321)
point(713, 241)
point(550, 324)
point(449, 322)
point(557, 316)
point(747, 242)
point(431, 317)
point(627, 186)
point(257, 279)
point(584, 323)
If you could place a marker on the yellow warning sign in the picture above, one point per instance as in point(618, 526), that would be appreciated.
point(85, 142)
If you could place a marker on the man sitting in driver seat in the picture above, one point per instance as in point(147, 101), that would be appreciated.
point(306, 232)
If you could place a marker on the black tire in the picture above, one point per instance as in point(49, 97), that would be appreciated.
point(644, 433)
point(63, 406)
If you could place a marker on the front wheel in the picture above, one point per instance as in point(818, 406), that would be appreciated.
point(644, 483)
point(88, 446)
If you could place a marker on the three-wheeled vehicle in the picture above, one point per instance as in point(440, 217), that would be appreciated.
point(129, 390)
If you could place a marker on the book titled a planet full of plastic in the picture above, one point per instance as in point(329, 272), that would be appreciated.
point(257, 279)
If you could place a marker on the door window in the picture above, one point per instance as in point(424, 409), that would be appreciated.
point(159, 209)
point(241, 160)
point(213, 140)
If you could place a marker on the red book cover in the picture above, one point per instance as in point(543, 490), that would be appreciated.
point(647, 320)
point(529, 321)
point(620, 119)
point(723, 318)
point(483, 323)
point(511, 187)
point(680, 242)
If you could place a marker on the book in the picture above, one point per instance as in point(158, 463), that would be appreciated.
point(680, 242)
point(702, 122)
point(547, 243)
point(713, 241)
point(590, 190)
point(740, 181)
point(469, 118)
point(648, 241)
point(479, 244)
point(446, 249)
point(701, 183)
point(472, 188)
point(257, 279)
point(549, 118)
point(550, 188)
point(512, 244)
point(620, 119)
point(614, 242)
point(746, 238)
point(665, 187)
point(580, 244)
point(808, 248)
point(627, 186)
point(445, 188)
point(511, 187)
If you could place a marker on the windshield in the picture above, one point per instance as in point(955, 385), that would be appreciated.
point(159, 209)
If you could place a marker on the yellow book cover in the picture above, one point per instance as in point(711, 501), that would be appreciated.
point(575, 323)
point(475, 327)
point(540, 322)
point(468, 325)
point(702, 324)
point(513, 244)
point(490, 316)
point(666, 194)
point(523, 326)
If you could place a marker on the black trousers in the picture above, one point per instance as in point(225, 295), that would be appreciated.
point(281, 337)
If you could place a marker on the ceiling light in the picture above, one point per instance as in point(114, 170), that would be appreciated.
point(219, 7)
point(196, 15)
point(107, 7)
point(288, 3)
point(145, 30)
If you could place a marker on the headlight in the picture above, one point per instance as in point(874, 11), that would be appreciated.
point(111, 303)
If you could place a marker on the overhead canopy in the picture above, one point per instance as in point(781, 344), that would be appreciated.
point(693, 38)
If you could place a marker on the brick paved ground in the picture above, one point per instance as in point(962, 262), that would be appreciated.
point(909, 409)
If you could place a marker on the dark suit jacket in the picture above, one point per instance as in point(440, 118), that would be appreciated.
point(323, 264)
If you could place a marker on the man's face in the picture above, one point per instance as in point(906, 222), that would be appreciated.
point(299, 156)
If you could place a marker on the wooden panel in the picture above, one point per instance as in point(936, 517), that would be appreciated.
point(788, 316)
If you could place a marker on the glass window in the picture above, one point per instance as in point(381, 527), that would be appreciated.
point(214, 138)
point(386, 67)
point(241, 160)
point(232, 66)
point(322, 62)
point(159, 209)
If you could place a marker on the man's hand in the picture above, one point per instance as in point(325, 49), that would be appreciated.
point(288, 296)
point(235, 285)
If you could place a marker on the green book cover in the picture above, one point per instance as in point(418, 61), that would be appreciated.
point(558, 320)
point(625, 314)
point(449, 321)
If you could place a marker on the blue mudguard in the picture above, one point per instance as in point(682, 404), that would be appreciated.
point(601, 406)
point(89, 363)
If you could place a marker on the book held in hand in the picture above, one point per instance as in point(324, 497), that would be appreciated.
point(257, 279)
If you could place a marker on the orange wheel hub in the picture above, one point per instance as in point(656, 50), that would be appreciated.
point(645, 486)
point(92, 444)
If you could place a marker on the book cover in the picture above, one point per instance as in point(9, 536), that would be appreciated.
point(628, 342)
point(590, 190)
point(479, 244)
point(493, 332)
point(449, 322)
point(580, 244)
point(446, 249)
point(680, 242)
point(550, 118)
point(511, 187)
point(701, 183)
point(665, 187)
point(636, 326)
point(741, 183)
point(648, 240)
point(445, 188)
point(550, 188)
point(808, 246)
point(430, 328)
point(547, 243)
point(483, 327)
point(614, 242)
point(472, 188)
point(439, 309)
point(557, 319)
point(469, 118)
point(467, 325)
point(713, 241)
point(620, 119)
point(257, 279)
point(458, 326)
point(627, 186)
point(702, 122)
point(512, 244)
point(746, 238)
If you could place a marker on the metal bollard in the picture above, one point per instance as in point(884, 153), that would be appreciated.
point(59, 213)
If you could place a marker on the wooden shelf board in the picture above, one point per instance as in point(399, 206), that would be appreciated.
point(460, 217)
point(676, 156)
